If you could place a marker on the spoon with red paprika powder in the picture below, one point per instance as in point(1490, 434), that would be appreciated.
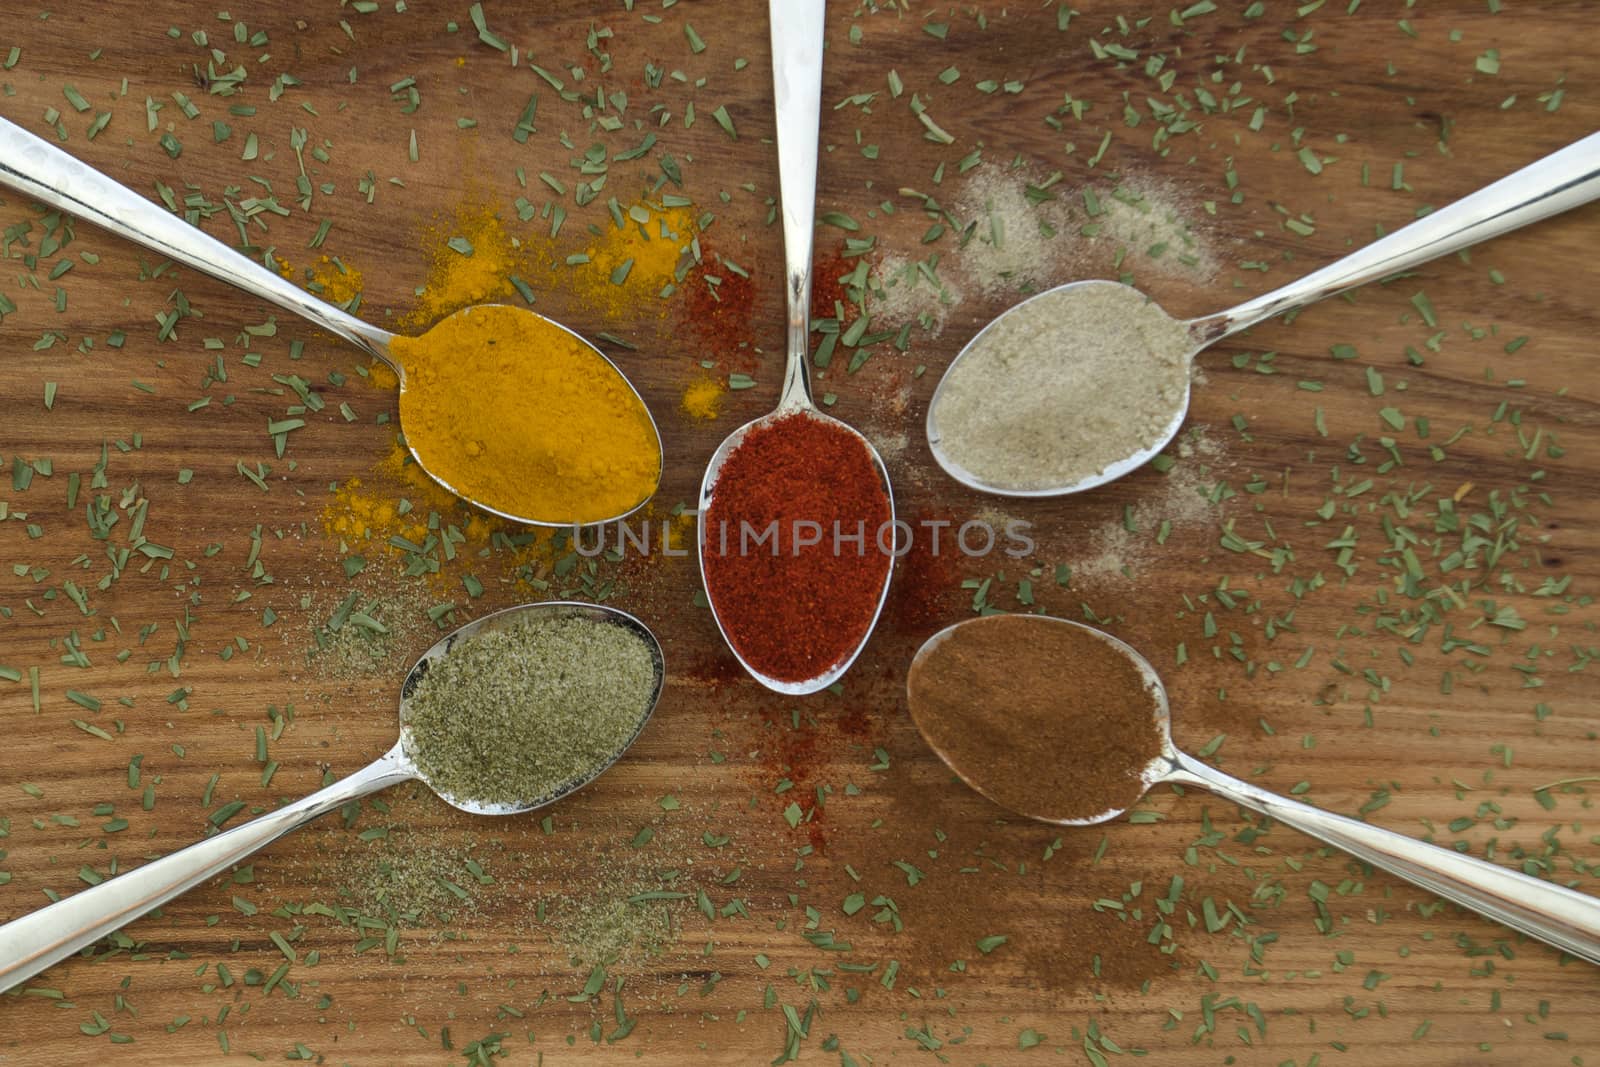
point(1065, 724)
point(796, 514)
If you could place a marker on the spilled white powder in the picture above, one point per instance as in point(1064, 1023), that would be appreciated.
point(1123, 545)
point(908, 290)
point(1013, 244)
point(1141, 219)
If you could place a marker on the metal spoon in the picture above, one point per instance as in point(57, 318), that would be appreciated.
point(1559, 182)
point(1559, 916)
point(797, 93)
point(43, 938)
point(44, 173)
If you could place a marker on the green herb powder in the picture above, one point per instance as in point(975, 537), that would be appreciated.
point(1063, 386)
point(515, 715)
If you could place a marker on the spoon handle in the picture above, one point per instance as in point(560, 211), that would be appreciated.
point(1559, 182)
point(1554, 914)
point(49, 935)
point(43, 172)
point(797, 97)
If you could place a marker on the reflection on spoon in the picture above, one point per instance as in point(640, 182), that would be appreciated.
point(42, 938)
point(1081, 384)
point(1106, 723)
point(532, 469)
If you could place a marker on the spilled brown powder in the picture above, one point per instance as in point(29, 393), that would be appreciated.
point(1040, 715)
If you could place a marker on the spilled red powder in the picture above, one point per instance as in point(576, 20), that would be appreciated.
point(713, 671)
point(828, 293)
point(810, 751)
point(927, 594)
point(718, 312)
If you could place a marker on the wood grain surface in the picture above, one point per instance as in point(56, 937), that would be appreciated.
point(1384, 606)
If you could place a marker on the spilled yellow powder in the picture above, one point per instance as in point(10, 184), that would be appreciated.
point(335, 280)
point(330, 278)
point(355, 513)
point(471, 261)
point(379, 376)
point(679, 536)
point(395, 500)
point(702, 398)
point(637, 255)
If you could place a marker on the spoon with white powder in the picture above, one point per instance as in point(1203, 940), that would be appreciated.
point(1081, 384)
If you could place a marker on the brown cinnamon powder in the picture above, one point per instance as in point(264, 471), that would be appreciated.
point(1040, 715)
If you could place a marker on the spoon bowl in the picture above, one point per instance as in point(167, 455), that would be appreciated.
point(1111, 472)
point(1559, 182)
point(502, 620)
point(46, 174)
point(41, 938)
point(444, 454)
point(988, 780)
point(707, 490)
point(1559, 916)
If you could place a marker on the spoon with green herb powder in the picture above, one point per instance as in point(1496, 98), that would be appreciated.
point(1081, 384)
point(1065, 724)
point(509, 713)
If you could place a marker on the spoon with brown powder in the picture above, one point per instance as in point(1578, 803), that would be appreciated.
point(1080, 384)
point(1065, 724)
point(507, 714)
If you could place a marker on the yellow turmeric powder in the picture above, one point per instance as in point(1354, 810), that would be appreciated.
point(398, 500)
point(472, 262)
point(335, 280)
point(638, 255)
point(702, 398)
point(330, 278)
point(519, 416)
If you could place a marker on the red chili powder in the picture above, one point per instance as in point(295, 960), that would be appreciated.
point(828, 292)
point(926, 594)
point(719, 314)
point(794, 610)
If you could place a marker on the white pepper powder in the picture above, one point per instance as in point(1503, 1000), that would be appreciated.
point(1063, 386)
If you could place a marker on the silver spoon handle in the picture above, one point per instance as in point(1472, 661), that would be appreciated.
point(797, 97)
point(45, 937)
point(1559, 182)
point(43, 172)
point(1554, 914)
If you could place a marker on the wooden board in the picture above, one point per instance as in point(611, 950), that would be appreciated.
point(1287, 133)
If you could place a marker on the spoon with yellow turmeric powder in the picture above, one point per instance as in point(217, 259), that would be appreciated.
point(502, 406)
